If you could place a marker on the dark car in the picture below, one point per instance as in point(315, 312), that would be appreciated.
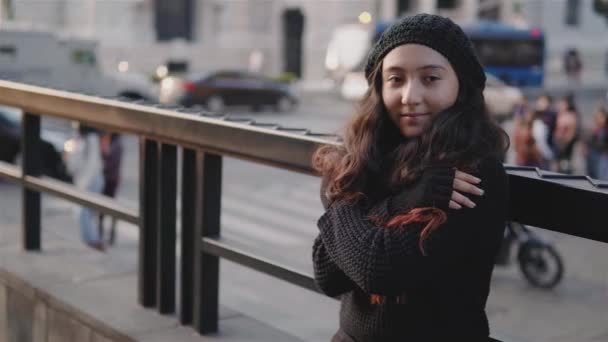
point(235, 88)
point(10, 144)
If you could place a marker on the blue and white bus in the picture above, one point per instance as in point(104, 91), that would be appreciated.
point(514, 55)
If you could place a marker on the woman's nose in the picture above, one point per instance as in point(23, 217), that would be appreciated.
point(411, 94)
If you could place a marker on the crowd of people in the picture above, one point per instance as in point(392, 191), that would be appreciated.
point(547, 133)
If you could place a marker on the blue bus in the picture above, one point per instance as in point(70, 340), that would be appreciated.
point(514, 55)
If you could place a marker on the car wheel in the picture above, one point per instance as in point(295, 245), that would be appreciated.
point(284, 104)
point(215, 104)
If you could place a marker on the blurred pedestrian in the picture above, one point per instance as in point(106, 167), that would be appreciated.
point(521, 109)
point(408, 239)
point(606, 66)
point(566, 134)
point(111, 152)
point(573, 66)
point(544, 104)
point(530, 142)
point(597, 145)
point(84, 163)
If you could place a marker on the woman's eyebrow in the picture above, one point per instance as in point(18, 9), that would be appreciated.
point(431, 66)
point(395, 68)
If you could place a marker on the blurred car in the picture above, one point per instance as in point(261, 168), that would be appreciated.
point(354, 85)
point(52, 144)
point(500, 97)
point(220, 89)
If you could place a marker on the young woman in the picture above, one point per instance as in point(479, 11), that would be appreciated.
point(416, 197)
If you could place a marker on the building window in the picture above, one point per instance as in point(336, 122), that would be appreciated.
point(489, 10)
point(403, 6)
point(84, 57)
point(446, 4)
point(173, 19)
point(573, 11)
point(489, 13)
point(8, 50)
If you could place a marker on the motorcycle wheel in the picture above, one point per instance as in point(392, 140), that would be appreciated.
point(540, 264)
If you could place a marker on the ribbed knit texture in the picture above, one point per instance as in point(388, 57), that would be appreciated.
point(440, 34)
point(441, 295)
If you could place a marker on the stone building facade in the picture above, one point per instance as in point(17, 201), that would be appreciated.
point(288, 35)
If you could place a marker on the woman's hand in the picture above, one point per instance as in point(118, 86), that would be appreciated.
point(464, 184)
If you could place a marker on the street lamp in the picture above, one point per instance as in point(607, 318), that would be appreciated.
point(365, 17)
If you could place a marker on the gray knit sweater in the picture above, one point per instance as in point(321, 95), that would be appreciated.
point(427, 298)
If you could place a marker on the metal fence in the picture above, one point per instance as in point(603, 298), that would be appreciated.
point(567, 204)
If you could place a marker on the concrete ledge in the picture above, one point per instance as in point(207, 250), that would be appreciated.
point(69, 293)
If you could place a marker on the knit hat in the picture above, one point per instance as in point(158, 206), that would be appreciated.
point(440, 34)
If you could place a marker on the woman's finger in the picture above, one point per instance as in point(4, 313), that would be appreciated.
point(469, 178)
point(466, 187)
point(462, 200)
point(454, 205)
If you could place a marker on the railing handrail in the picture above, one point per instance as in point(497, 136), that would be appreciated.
point(70, 193)
point(277, 146)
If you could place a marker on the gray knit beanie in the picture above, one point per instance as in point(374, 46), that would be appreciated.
point(440, 34)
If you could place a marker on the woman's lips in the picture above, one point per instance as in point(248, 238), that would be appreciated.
point(413, 115)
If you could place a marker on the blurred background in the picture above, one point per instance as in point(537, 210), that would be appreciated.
point(299, 63)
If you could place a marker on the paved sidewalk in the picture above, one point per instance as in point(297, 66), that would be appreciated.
point(102, 287)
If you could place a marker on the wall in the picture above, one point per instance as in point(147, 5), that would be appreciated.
point(27, 315)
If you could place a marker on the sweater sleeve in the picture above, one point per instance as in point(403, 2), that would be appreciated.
point(388, 261)
point(328, 277)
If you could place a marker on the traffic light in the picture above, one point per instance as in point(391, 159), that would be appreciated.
point(601, 7)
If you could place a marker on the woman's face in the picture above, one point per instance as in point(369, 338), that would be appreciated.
point(417, 83)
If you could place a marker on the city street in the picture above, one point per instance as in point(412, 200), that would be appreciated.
point(273, 213)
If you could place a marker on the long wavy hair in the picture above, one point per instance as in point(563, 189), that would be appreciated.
point(375, 159)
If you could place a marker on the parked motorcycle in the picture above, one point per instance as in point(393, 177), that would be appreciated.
point(538, 260)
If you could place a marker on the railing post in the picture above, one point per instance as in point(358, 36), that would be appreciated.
point(165, 292)
point(189, 206)
point(148, 209)
point(206, 266)
point(30, 154)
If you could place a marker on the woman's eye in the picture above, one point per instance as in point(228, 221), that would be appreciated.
point(394, 79)
point(431, 79)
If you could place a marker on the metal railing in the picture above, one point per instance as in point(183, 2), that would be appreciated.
point(567, 204)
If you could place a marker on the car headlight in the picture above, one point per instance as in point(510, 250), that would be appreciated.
point(69, 146)
point(167, 84)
